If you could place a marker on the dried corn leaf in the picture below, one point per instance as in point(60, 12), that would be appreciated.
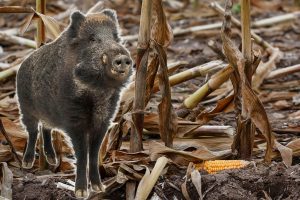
point(116, 182)
point(224, 105)
point(177, 6)
point(52, 26)
point(184, 185)
point(196, 180)
point(149, 179)
point(185, 157)
point(295, 146)
point(142, 183)
point(258, 115)
point(286, 153)
point(6, 178)
point(161, 31)
point(103, 148)
point(13, 129)
point(267, 5)
point(162, 37)
point(128, 170)
point(202, 131)
point(5, 153)
point(8, 103)
point(130, 189)
point(184, 127)
point(167, 116)
point(28, 20)
point(211, 143)
point(17, 136)
point(295, 115)
point(66, 164)
point(151, 75)
point(141, 157)
point(114, 136)
point(264, 69)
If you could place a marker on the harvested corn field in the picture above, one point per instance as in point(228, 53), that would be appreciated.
point(211, 109)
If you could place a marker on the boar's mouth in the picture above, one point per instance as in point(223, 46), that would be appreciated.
point(117, 71)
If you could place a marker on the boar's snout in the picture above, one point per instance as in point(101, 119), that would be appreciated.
point(121, 64)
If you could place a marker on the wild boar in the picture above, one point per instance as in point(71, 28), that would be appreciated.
point(73, 84)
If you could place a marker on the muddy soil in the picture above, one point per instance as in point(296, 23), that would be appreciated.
point(36, 189)
point(253, 182)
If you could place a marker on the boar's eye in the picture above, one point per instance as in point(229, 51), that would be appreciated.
point(116, 37)
point(93, 38)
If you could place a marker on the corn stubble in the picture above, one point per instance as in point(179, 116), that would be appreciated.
point(249, 110)
point(161, 36)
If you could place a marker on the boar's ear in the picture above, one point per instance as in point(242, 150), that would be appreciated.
point(111, 14)
point(76, 20)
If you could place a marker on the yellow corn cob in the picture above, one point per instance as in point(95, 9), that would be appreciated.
point(214, 166)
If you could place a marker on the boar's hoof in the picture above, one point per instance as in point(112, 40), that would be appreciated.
point(81, 193)
point(51, 160)
point(98, 187)
point(27, 165)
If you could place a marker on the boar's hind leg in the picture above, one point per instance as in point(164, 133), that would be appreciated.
point(31, 124)
point(80, 144)
point(94, 175)
point(48, 147)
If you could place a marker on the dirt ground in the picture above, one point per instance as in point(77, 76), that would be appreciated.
point(257, 181)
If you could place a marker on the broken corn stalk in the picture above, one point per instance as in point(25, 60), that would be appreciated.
point(215, 166)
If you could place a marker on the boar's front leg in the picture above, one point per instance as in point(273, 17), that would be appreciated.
point(80, 144)
point(96, 138)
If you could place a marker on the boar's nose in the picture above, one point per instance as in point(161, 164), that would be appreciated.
point(122, 62)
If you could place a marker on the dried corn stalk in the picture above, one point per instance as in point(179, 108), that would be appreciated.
point(161, 36)
point(141, 73)
point(250, 111)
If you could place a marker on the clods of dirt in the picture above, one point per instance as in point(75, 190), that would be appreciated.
point(257, 181)
point(37, 189)
point(254, 182)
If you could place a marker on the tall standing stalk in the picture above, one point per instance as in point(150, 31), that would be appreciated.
point(141, 74)
point(249, 110)
point(246, 139)
point(40, 40)
point(246, 37)
point(40, 36)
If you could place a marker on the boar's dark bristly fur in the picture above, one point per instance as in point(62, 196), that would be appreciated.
point(73, 84)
